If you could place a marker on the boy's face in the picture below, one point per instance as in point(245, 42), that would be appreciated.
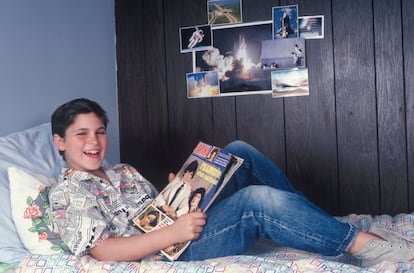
point(84, 144)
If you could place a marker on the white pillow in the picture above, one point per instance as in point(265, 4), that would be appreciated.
point(32, 150)
point(30, 211)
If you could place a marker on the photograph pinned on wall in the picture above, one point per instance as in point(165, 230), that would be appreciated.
point(195, 38)
point(203, 84)
point(289, 83)
point(283, 53)
point(285, 22)
point(311, 27)
point(236, 55)
point(222, 12)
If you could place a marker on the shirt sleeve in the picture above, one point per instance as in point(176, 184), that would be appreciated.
point(76, 218)
point(132, 174)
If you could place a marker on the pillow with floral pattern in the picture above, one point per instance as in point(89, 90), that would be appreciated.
point(30, 211)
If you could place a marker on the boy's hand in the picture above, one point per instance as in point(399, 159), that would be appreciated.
point(189, 226)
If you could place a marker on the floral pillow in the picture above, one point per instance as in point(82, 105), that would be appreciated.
point(30, 211)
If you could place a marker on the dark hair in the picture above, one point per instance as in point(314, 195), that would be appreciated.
point(192, 167)
point(65, 114)
point(153, 223)
point(201, 191)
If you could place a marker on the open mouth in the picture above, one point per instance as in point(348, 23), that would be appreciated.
point(91, 152)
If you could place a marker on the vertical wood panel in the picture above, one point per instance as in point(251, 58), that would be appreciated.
point(130, 77)
point(346, 141)
point(128, 71)
point(142, 98)
point(190, 120)
point(310, 120)
point(260, 122)
point(225, 127)
point(143, 101)
point(391, 109)
point(408, 39)
point(355, 104)
point(156, 146)
point(260, 119)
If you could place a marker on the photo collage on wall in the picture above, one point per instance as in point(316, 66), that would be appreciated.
point(234, 58)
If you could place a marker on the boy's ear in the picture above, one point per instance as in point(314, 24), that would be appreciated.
point(59, 142)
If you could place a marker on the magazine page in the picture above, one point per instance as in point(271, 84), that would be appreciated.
point(196, 182)
point(152, 219)
point(194, 187)
point(231, 169)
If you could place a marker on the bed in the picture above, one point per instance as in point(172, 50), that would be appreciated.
point(28, 165)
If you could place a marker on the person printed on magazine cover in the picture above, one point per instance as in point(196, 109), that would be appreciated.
point(196, 199)
point(173, 199)
point(258, 201)
point(149, 220)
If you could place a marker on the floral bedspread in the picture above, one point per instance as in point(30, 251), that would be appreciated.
point(265, 257)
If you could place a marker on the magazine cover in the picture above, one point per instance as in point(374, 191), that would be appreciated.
point(194, 187)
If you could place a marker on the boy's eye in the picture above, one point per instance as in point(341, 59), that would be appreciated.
point(101, 132)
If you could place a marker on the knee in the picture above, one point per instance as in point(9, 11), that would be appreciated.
point(263, 196)
point(239, 147)
point(236, 144)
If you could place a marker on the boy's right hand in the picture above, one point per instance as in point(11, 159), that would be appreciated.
point(189, 226)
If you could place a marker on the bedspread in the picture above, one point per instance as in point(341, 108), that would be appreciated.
point(264, 257)
point(270, 263)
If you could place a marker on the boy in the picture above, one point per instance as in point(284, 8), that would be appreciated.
point(95, 211)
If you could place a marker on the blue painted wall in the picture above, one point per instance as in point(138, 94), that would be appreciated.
point(53, 51)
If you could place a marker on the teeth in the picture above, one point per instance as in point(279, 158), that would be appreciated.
point(92, 152)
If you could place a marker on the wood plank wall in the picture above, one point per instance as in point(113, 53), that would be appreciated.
point(349, 145)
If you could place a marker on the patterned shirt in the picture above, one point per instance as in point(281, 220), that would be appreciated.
point(86, 209)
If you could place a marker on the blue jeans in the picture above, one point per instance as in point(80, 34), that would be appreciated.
point(259, 201)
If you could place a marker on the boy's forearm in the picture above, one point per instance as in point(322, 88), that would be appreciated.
point(135, 247)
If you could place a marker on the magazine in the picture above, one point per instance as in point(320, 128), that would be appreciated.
point(195, 186)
